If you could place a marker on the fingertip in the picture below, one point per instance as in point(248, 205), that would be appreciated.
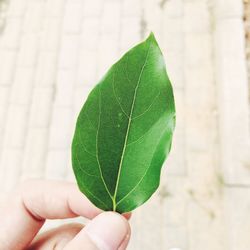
point(81, 205)
point(109, 230)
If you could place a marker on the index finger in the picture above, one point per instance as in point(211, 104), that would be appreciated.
point(23, 216)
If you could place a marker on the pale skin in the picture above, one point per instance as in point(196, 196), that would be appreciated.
point(23, 214)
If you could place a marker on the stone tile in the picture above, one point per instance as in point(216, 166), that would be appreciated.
point(173, 195)
point(21, 91)
point(51, 34)
point(28, 53)
point(17, 8)
point(33, 17)
point(176, 238)
point(172, 9)
point(54, 8)
point(16, 126)
point(4, 96)
point(34, 153)
point(11, 37)
point(7, 64)
point(80, 96)
point(90, 34)
point(60, 133)
point(87, 68)
point(198, 50)
point(110, 20)
point(131, 8)
point(229, 9)
point(45, 74)
point(237, 220)
point(130, 33)
point(56, 167)
point(68, 52)
point(40, 113)
point(204, 227)
point(92, 8)
point(232, 78)
point(196, 17)
point(64, 88)
point(10, 169)
point(73, 17)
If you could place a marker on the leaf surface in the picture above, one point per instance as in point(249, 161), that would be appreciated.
point(124, 131)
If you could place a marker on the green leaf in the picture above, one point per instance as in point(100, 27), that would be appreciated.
point(124, 131)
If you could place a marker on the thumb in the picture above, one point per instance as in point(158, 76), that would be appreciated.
point(107, 231)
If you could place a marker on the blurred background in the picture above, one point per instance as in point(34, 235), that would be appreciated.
point(52, 52)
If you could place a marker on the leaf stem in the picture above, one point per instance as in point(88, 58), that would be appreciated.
point(114, 204)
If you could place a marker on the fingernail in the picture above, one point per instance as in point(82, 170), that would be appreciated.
point(108, 230)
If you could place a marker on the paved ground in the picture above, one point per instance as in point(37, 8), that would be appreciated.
point(53, 52)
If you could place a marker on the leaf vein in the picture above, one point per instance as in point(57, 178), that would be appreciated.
point(116, 97)
point(80, 167)
point(128, 128)
point(97, 155)
point(83, 145)
point(92, 125)
point(133, 142)
point(149, 107)
point(94, 195)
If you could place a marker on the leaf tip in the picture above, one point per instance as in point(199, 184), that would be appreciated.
point(151, 36)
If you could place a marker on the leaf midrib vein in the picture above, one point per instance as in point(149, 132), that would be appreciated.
point(128, 129)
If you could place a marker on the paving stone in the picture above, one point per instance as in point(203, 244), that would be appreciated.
point(56, 167)
point(17, 8)
point(90, 34)
point(237, 221)
point(4, 95)
point(80, 96)
point(232, 79)
point(87, 68)
point(54, 8)
point(28, 52)
point(64, 88)
point(172, 9)
point(196, 17)
point(131, 8)
point(7, 64)
point(40, 112)
point(60, 133)
point(73, 16)
point(229, 8)
point(92, 8)
point(130, 33)
point(16, 125)
point(204, 227)
point(21, 91)
point(110, 20)
point(34, 153)
point(10, 169)
point(51, 30)
point(33, 17)
point(45, 75)
point(68, 52)
point(11, 38)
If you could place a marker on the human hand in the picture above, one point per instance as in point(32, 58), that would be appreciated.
point(24, 214)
